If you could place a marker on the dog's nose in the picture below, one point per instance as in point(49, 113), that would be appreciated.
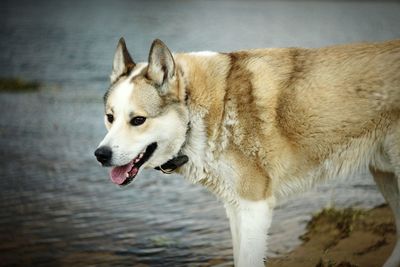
point(103, 154)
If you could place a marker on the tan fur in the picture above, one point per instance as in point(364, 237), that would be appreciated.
point(294, 108)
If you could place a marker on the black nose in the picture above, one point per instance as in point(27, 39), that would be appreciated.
point(103, 154)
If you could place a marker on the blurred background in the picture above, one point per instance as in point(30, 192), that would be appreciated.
point(58, 207)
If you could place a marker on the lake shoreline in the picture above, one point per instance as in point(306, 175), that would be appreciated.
point(346, 237)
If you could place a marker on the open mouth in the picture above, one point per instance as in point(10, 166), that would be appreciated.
point(123, 175)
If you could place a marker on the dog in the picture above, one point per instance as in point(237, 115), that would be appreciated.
point(255, 126)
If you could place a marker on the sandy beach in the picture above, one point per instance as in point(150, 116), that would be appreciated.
point(345, 238)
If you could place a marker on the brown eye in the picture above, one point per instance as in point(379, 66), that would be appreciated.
point(135, 121)
point(110, 118)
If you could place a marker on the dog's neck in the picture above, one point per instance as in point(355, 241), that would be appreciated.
point(203, 146)
point(200, 99)
point(180, 159)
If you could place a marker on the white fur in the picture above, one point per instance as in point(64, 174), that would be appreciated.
point(204, 53)
point(203, 167)
point(138, 69)
point(232, 214)
point(117, 137)
point(249, 222)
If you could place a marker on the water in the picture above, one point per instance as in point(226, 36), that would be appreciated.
point(58, 207)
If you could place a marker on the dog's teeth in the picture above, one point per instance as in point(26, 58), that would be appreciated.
point(137, 160)
point(126, 175)
point(141, 155)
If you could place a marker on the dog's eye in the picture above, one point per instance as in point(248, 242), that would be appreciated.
point(110, 118)
point(135, 121)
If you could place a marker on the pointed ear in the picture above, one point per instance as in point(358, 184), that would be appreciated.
point(161, 63)
point(122, 63)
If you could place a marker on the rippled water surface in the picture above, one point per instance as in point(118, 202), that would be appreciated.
point(58, 207)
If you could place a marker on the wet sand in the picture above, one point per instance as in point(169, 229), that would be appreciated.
point(345, 238)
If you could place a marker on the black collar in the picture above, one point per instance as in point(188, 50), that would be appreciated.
point(171, 165)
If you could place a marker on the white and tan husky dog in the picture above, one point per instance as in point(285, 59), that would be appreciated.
point(254, 126)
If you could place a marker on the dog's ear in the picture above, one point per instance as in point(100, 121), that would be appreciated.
point(161, 65)
point(122, 63)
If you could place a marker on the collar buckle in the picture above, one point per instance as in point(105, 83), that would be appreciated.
point(171, 165)
point(166, 171)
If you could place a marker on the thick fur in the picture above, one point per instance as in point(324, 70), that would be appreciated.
point(264, 123)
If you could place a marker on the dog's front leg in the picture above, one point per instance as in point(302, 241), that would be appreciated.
point(232, 211)
point(254, 220)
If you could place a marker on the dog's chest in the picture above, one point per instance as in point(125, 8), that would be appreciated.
point(216, 174)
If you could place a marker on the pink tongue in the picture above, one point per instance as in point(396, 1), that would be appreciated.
point(118, 174)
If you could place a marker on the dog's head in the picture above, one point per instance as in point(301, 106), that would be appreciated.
point(145, 113)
